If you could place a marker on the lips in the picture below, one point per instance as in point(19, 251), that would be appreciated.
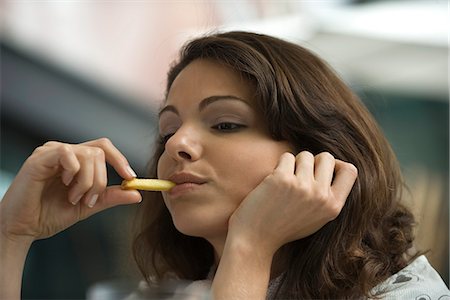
point(185, 182)
point(180, 178)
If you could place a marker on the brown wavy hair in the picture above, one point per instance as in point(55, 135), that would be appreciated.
point(305, 103)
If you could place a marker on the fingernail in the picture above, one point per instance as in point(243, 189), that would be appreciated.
point(93, 200)
point(131, 171)
point(74, 202)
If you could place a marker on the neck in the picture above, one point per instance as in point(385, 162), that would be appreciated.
point(278, 264)
point(218, 245)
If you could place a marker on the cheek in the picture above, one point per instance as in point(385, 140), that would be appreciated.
point(162, 166)
point(245, 167)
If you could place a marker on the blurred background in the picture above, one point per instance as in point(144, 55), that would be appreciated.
point(78, 70)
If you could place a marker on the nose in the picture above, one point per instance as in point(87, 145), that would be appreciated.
point(184, 145)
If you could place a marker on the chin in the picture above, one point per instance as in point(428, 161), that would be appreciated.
point(201, 226)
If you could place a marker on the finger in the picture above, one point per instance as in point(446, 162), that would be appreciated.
point(324, 169)
point(344, 179)
point(84, 179)
point(70, 166)
point(304, 166)
point(286, 164)
point(114, 157)
point(100, 178)
point(47, 161)
point(112, 196)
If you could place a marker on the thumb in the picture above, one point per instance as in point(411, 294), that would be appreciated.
point(113, 196)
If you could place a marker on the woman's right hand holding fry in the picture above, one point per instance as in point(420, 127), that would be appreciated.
point(57, 186)
point(61, 184)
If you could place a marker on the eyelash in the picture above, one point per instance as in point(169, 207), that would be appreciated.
point(231, 127)
point(234, 126)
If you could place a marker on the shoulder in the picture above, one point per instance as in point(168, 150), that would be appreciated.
point(418, 280)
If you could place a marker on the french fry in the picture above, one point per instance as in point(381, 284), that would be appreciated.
point(147, 184)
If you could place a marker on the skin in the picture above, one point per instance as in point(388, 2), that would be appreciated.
point(216, 139)
point(57, 186)
point(246, 210)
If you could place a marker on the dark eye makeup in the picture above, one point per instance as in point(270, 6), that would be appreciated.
point(228, 126)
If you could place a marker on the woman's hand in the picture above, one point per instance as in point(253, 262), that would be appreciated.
point(61, 184)
point(301, 195)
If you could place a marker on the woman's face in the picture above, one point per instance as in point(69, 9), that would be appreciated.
point(217, 147)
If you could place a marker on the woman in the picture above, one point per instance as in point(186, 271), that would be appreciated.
point(299, 106)
point(286, 187)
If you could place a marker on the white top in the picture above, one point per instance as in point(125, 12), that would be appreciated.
point(418, 281)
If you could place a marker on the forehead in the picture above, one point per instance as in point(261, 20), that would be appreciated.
point(204, 78)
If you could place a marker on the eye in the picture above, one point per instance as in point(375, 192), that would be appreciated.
point(228, 126)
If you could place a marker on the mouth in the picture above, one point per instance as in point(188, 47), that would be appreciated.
point(183, 178)
point(185, 182)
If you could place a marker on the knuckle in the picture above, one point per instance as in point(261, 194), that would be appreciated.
point(305, 155)
point(75, 168)
point(98, 152)
point(333, 211)
point(303, 188)
point(284, 180)
point(351, 168)
point(64, 149)
point(287, 155)
point(103, 183)
point(325, 156)
point(102, 179)
point(104, 141)
point(39, 150)
point(51, 144)
point(322, 196)
point(90, 152)
point(281, 181)
point(86, 152)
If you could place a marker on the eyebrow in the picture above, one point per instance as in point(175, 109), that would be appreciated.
point(204, 103)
